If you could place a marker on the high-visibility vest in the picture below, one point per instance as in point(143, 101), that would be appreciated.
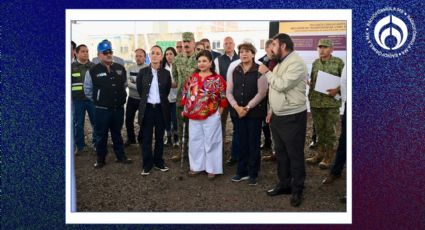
point(78, 72)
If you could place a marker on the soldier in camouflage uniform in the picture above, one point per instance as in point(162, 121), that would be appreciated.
point(183, 66)
point(325, 107)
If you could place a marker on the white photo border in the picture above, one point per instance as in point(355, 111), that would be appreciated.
point(208, 217)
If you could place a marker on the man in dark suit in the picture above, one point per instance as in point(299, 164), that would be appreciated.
point(153, 86)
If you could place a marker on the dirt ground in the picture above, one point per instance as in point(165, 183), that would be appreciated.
point(117, 187)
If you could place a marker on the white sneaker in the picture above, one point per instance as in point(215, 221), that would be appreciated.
point(144, 173)
point(163, 169)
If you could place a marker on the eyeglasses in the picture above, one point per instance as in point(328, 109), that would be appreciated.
point(179, 47)
point(107, 52)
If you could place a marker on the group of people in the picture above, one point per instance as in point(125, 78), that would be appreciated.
point(187, 93)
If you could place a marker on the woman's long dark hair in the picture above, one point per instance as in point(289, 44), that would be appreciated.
point(208, 55)
point(164, 59)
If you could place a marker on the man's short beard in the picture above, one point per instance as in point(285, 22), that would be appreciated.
point(277, 56)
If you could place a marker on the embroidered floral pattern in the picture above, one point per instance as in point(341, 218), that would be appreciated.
point(202, 97)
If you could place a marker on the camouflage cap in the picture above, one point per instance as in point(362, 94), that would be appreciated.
point(188, 36)
point(325, 42)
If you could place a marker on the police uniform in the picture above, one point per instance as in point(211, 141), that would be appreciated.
point(107, 89)
point(81, 104)
point(325, 109)
point(183, 68)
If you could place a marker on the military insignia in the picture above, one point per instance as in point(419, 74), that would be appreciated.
point(119, 72)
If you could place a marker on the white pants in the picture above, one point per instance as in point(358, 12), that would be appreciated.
point(206, 145)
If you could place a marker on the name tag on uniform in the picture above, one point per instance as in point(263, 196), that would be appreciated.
point(101, 75)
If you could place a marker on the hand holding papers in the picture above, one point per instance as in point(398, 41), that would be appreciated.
point(326, 81)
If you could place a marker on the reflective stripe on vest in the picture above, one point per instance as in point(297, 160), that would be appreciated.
point(77, 86)
point(76, 75)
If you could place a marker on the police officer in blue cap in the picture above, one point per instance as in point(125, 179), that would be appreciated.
point(105, 84)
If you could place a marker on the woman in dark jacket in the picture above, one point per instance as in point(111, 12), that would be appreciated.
point(246, 91)
point(153, 85)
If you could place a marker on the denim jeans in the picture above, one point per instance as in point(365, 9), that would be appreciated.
point(79, 109)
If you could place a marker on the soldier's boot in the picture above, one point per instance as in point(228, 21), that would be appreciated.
point(327, 160)
point(316, 158)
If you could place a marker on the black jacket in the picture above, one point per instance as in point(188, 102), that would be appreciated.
point(224, 63)
point(109, 87)
point(144, 80)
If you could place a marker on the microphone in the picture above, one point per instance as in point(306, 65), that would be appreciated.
point(265, 60)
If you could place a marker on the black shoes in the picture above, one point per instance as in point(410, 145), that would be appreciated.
point(145, 172)
point(162, 168)
point(296, 199)
point(238, 178)
point(124, 160)
point(252, 181)
point(279, 191)
point(100, 162)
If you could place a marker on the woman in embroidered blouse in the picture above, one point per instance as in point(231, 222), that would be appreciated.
point(204, 97)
